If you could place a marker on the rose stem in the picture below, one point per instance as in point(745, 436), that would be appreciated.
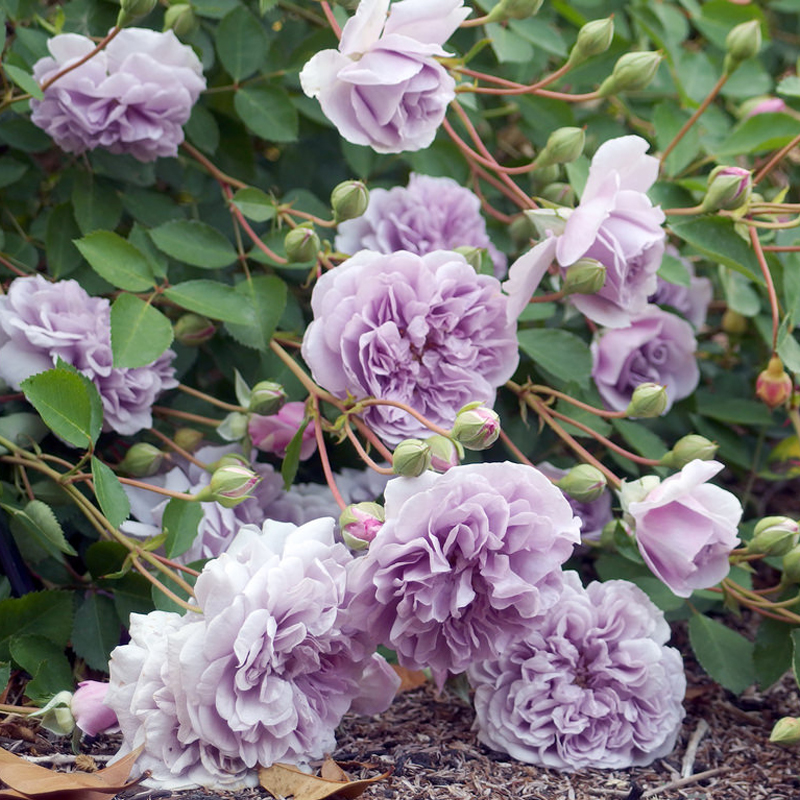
point(773, 297)
point(100, 45)
point(209, 399)
point(323, 455)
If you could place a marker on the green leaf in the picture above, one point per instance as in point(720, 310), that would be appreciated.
point(194, 243)
point(268, 112)
point(266, 296)
point(668, 120)
point(772, 655)
point(39, 520)
point(69, 404)
point(732, 409)
point(209, 298)
point(117, 260)
point(180, 522)
point(559, 352)
point(139, 332)
point(96, 630)
point(103, 558)
point(789, 87)
point(24, 80)
point(254, 204)
point(641, 439)
point(47, 614)
point(113, 501)
point(758, 134)
point(22, 428)
point(96, 206)
point(131, 596)
point(723, 653)
point(674, 271)
point(241, 43)
point(62, 255)
point(11, 171)
point(717, 238)
point(45, 662)
point(202, 130)
point(291, 460)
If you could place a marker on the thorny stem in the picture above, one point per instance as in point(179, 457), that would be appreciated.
point(773, 297)
point(323, 455)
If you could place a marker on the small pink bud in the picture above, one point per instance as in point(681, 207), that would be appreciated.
point(476, 427)
point(91, 715)
point(764, 105)
point(729, 188)
point(230, 485)
point(360, 524)
point(273, 433)
point(444, 453)
point(773, 385)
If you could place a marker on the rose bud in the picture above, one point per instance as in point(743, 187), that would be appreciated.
point(302, 243)
point(360, 523)
point(583, 483)
point(774, 536)
point(514, 9)
point(266, 398)
point(349, 200)
point(188, 439)
point(648, 400)
point(563, 145)
point(91, 715)
point(688, 448)
point(129, 10)
point(193, 329)
point(476, 427)
point(786, 731)
point(445, 453)
point(774, 386)
point(743, 42)
point(180, 17)
point(229, 486)
point(632, 71)
point(141, 461)
point(791, 566)
point(593, 39)
point(729, 188)
point(585, 276)
point(411, 458)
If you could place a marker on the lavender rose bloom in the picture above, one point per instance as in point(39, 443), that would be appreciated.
point(616, 224)
point(657, 347)
point(464, 562)
point(383, 86)
point(423, 330)
point(428, 214)
point(42, 322)
point(591, 685)
point(133, 97)
point(690, 301)
point(685, 528)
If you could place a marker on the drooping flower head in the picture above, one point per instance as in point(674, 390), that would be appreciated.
point(42, 322)
point(91, 714)
point(132, 97)
point(428, 214)
point(423, 330)
point(383, 86)
point(464, 562)
point(273, 433)
point(592, 684)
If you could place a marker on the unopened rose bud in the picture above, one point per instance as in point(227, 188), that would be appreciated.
point(583, 483)
point(631, 72)
point(302, 243)
point(773, 385)
point(648, 400)
point(786, 731)
point(473, 255)
point(229, 486)
point(585, 276)
point(141, 461)
point(729, 188)
point(180, 18)
point(476, 427)
point(360, 524)
point(445, 453)
point(234, 427)
point(193, 330)
point(692, 447)
point(91, 714)
point(130, 10)
point(791, 566)
point(267, 398)
point(774, 536)
point(743, 42)
point(230, 460)
point(561, 194)
point(763, 104)
point(411, 458)
point(514, 9)
point(563, 145)
point(188, 439)
point(349, 200)
point(593, 38)
point(56, 716)
point(734, 322)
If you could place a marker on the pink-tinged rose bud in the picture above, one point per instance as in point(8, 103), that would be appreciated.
point(762, 105)
point(476, 427)
point(193, 329)
point(229, 486)
point(272, 434)
point(91, 715)
point(445, 453)
point(267, 398)
point(774, 536)
point(774, 386)
point(583, 483)
point(729, 188)
point(360, 523)
point(786, 731)
point(648, 400)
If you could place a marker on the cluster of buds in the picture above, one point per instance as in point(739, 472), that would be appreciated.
point(773, 385)
point(648, 400)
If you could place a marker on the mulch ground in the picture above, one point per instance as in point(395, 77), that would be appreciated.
point(723, 753)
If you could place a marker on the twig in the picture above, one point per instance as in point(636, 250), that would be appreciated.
point(677, 784)
point(687, 765)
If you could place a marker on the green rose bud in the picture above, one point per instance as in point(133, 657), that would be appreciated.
point(181, 19)
point(349, 200)
point(56, 716)
point(729, 189)
point(791, 566)
point(583, 483)
point(560, 194)
point(234, 427)
point(774, 536)
point(690, 448)
point(188, 439)
point(193, 329)
point(360, 523)
point(585, 276)
point(302, 243)
point(631, 72)
point(514, 9)
point(266, 398)
point(476, 427)
point(141, 461)
point(411, 458)
point(473, 256)
point(648, 400)
point(743, 42)
point(563, 145)
point(593, 38)
point(230, 460)
point(445, 453)
point(230, 485)
point(786, 731)
point(130, 10)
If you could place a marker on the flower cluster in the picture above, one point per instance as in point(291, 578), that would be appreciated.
point(133, 97)
point(426, 331)
point(428, 214)
point(264, 674)
point(591, 684)
point(42, 322)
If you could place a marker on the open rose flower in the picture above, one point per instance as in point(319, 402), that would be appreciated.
point(464, 562)
point(132, 97)
point(591, 684)
point(685, 528)
point(690, 301)
point(426, 331)
point(657, 347)
point(383, 87)
point(428, 214)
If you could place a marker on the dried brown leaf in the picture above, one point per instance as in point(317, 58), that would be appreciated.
point(331, 771)
point(31, 781)
point(409, 678)
point(281, 780)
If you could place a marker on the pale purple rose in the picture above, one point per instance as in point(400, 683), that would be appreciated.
point(422, 330)
point(616, 224)
point(428, 214)
point(91, 714)
point(42, 322)
point(273, 433)
point(657, 347)
point(132, 97)
point(383, 87)
point(690, 301)
point(685, 528)
point(526, 273)
point(464, 562)
point(592, 684)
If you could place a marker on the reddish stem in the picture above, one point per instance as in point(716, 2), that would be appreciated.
point(521, 457)
point(773, 297)
point(323, 455)
point(775, 160)
point(363, 455)
point(100, 45)
point(254, 237)
point(331, 19)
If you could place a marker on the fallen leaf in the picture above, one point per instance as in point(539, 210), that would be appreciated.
point(282, 780)
point(331, 771)
point(33, 782)
point(409, 678)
